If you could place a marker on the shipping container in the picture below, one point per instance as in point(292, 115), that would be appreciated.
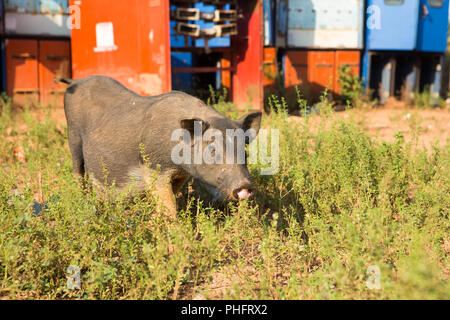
point(37, 17)
point(402, 58)
point(407, 25)
point(270, 73)
point(22, 71)
point(314, 71)
point(54, 62)
point(128, 41)
point(31, 67)
point(349, 58)
point(324, 24)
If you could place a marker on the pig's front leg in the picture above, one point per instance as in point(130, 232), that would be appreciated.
point(166, 195)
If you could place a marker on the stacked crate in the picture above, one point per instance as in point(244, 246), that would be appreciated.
point(200, 43)
point(318, 37)
point(405, 46)
point(36, 46)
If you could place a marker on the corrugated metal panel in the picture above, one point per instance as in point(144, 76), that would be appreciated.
point(270, 65)
point(314, 71)
point(37, 17)
point(350, 58)
point(269, 72)
point(325, 24)
point(295, 69)
point(22, 71)
point(54, 61)
point(129, 41)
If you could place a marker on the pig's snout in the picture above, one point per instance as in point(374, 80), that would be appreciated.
point(244, 191)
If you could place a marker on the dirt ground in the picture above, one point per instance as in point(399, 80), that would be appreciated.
point(384, 122)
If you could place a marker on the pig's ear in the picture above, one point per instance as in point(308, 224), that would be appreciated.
point(189, 125)
point(251, 121)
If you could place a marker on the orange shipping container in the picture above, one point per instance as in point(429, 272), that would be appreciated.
point(350, 58)
point(314, 71)
point(269, 72)
point(31, 67)
point(54, 61)
point(126, 40)
point(22, 71)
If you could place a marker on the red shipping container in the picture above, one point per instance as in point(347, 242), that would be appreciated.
point(126, 40)
point(54, 61)
point(22, 71)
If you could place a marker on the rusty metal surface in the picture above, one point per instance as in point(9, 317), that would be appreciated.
point(54, 61)
point(127, 40)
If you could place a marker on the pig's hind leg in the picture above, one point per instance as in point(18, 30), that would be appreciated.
point(76, 149)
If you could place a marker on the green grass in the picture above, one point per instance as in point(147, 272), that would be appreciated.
point(340, 203)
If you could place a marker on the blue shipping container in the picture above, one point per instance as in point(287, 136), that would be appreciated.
point(407, 25)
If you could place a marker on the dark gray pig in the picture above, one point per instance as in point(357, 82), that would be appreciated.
point(109, 125)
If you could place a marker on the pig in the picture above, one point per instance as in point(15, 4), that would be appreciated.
point(111, 127)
